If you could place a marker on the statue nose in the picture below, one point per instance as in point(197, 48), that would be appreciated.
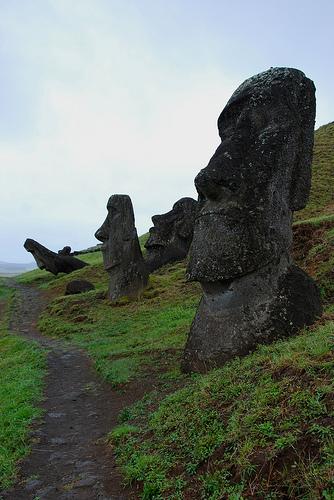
point(100, 235)
point(206, 186)
point(156, 219)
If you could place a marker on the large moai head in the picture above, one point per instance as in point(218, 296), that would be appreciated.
point(171, 234)
point(260, 174)
point(122, 256)
point(240, 253)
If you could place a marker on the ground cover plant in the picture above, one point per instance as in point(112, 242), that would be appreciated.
point(132, 337)
point(321, 199)
point(260, 427)
point(22, 368)
point(234, 432)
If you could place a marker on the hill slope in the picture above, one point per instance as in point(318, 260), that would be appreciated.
point(262, 426)
point(321, 199)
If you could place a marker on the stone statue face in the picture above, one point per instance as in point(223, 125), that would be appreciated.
point(117, 229)
point(173, 227)
point(256, 177)
point(39, 253)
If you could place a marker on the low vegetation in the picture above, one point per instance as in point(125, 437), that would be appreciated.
point(133, 337)
point(313, 250)
point(260, 427)
point(21, 379)
point(321, 199)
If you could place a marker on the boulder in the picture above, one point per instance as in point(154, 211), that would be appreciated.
point(78, 286)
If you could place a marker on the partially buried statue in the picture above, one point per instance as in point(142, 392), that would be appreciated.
point(121, 251)
point(65, 251)
point(260, 174)
point(51, 261)
point(171, 235)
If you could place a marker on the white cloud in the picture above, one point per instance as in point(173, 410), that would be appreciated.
point(119, 97)
point(109, 119)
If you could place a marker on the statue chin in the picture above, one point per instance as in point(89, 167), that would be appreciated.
point(164, 244)
point(240, 253)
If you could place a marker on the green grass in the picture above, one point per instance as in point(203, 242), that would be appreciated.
point(94, 273)
point(313, 249)
point(315, 221)
point(46, 280)
point(322, 192)
point(142, 240)
point(132, 337)
point(261, 424)
point(22, 367)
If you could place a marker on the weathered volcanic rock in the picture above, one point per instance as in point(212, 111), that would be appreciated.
point(78, 286)
point(65, 251)
point(260, 174)
point(51, 261)
point(121, 251)
point(171, 235)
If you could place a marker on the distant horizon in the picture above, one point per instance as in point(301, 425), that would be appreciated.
point(93, 241)
point(119, 96)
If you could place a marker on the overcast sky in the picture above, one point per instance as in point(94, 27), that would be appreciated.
point(100, 97)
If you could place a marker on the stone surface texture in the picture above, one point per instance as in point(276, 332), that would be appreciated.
point(78, 286)
point(51, 261)
point(259, 175)
point(65, 251)
point(171, 234)
point(121, 251)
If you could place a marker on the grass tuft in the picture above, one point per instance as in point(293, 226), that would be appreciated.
point(22, 367)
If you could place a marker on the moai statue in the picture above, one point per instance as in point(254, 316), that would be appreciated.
point(122, 256)
point(171, 235)
point(65, 251)
point(51, 261)
point(260, 174)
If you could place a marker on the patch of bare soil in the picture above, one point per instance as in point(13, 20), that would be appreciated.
point(307, 236)
point(69, 458)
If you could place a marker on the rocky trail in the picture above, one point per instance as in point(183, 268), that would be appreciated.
point(69, 458)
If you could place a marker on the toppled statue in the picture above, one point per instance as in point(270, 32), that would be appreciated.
point(121, 251)
point(171, 235)
point(65, 251)
point(259, 175)
point(51, 261)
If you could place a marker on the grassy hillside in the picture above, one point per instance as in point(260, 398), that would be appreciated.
point(263, 423)
point(21, 373)
point(321, 200)
point(262, 426)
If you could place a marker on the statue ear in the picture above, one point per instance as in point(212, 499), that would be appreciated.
point(302, 169)
point(301, 174)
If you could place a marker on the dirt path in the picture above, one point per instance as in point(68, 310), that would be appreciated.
point(68, 458)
